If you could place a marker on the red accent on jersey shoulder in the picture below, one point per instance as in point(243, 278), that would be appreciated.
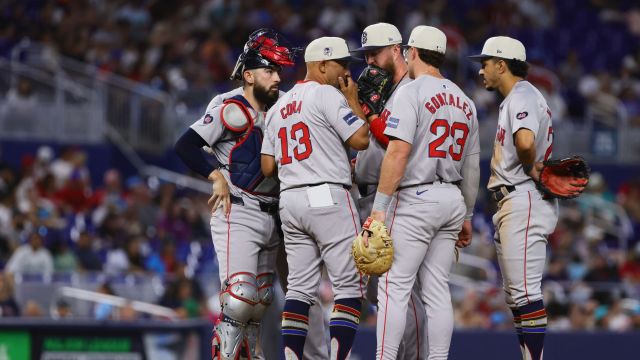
point(377, 127)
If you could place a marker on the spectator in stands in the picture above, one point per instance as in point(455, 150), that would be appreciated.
point(64, 260)
point(88, 258)
point(32, 257)
point(103, 310)
point(62, 310)
point(20, 107)
point(606, 110)
point(74, 196)
point(111, 195)
point(8, 305)
point(32, 309)
point(135, 258)
point(117, 260)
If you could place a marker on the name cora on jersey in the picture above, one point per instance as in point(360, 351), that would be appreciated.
point(447, 99)
point(291, 108)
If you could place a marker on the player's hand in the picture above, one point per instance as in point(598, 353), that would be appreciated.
point(536, 170)
point(376, 215)
point(465, 235)
point(221, 194)
point(349, 88)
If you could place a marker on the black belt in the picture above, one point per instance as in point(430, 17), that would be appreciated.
point(346, 187)
point(500, 192)
point(269, 208)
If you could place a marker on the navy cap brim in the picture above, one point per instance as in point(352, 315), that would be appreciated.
point(479, 57)
point(369, 48)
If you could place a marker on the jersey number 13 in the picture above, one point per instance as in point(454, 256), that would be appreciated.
point(300, 133)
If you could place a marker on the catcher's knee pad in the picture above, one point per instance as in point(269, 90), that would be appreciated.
point(228, 339)
point(239, 297)
point(265, 295)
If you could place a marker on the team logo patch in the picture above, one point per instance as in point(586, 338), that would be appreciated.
point(374, 72)
point(375, 98)
point(364, 37)
point(207, 119)
point(522, 115)
point(327, 51)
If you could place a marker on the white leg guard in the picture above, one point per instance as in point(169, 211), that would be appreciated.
point(265, 298)
point(238, 299)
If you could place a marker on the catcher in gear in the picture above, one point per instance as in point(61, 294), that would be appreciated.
point(524, 183)
point(244, 202)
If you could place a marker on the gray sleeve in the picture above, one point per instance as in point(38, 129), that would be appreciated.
point(470, 182)
point(337, 112)
point(269, 140)
point(403, 121)
point(524, 112)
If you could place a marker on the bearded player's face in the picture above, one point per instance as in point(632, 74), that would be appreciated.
point(382, 58)
point(266, 85)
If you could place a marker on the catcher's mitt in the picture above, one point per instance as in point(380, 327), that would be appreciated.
point(377, 257)
point(374, 89)
point(565, 178)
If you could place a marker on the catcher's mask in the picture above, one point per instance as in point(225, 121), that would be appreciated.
point(265, 48)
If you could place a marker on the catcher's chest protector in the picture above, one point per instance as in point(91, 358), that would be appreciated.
point(244, 159)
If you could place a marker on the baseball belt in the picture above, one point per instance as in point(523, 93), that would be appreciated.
point(269, 208)
point(499, 193)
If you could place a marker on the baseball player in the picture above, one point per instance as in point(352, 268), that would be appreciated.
point(308, 134)
point(431, 169)
point(315, 348)
point(381, 47)
point(523, 139)
point(244, 203)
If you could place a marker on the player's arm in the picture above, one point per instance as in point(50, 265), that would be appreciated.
point(401, 129)
point(393, 166)
point(188, 147)
point(205, 132)
point(268, 164)
point(360, 139)
point(523, 114)
point(267, 152)
point(377, 126)
point(525, 142)
point(469, 188)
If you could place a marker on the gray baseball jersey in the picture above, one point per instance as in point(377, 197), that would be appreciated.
point(212, 130)
point(440, 121)
point(369, 161)
point(523, 108)
point(306, 132)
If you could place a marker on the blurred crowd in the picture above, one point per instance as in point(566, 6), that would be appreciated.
point(189, 47)
point(53, 220)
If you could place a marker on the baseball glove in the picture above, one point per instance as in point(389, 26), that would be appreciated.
point(374, 89)
point(565, 178)
point(376, 258)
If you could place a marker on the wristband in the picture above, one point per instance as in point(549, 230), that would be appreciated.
point(381, 202)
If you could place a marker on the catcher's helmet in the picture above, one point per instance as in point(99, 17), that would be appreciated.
point(265, 48)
